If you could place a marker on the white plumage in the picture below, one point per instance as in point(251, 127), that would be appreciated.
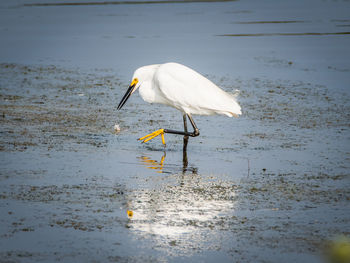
point(178, 86)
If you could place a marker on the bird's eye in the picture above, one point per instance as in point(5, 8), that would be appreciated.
point(136, 80)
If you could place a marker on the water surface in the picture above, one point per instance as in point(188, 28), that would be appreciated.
point(272, 185)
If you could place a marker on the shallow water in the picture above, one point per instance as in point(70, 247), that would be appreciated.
point(272, 185)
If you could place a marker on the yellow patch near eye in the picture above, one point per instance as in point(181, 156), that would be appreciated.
point(134, 81)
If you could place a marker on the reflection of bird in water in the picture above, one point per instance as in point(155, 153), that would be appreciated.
point(159, 165)
point(155, 165)
point(180, 87)
point(152, 164)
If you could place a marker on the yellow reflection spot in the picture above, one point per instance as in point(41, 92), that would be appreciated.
point(152, 164)
point(130, 213)
point(340, 251)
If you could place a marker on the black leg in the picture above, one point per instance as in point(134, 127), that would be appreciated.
point(196, 131)
point(184, 155)
point(184, 150)
point(185, 122)
point(186, 133)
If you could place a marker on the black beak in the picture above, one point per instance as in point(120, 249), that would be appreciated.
point(126, 96)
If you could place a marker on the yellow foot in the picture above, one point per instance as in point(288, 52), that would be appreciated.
point(152, 135)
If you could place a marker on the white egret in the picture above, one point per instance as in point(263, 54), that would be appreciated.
point(180, 87)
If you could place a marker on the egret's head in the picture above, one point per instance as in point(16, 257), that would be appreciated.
point(132, 88)
point(141, 75)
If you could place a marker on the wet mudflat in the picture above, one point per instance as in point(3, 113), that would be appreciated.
point(270, 186)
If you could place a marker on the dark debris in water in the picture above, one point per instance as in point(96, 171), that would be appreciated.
point(50, 107)
point(297, 104)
